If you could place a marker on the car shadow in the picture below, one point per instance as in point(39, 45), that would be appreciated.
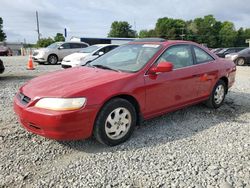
point(173, 126)
point(16, 77)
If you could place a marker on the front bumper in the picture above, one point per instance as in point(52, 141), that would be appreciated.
point(66, 64)
point(39, 59)
point(58, 125)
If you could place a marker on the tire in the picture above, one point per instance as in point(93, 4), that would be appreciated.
point(115, 122)
point(240, 61)
point(218, 95)
point(52, 59)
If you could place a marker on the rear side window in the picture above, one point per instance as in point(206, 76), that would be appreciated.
point(84, 45)
point(75, 45)
point(202, 56)
point(179, 55)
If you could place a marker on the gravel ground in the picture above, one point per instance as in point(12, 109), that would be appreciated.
point(193, 147)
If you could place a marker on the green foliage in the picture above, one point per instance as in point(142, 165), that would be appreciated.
point(59, 37)
point(147, 33)
point(170, 28)
point(206, 30)
point(2, 34)
point(44, 42)
point(227, 34)
point(121, 29)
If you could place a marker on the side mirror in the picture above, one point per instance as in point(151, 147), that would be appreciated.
point(60, 47)
point(100, 53)
point(162, 67)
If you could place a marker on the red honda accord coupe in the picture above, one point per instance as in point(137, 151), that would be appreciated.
point(108, 97)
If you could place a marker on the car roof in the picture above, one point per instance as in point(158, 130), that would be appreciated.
point(103, 45)
point(160, 41)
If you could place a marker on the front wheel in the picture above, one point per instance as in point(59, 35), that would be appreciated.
point(115, 122)
point(218, 95)
point(240, 61)
point(52, 59)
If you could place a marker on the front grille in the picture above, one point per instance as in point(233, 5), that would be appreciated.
point(24, 99)
point(66, 66)
point(35, 53)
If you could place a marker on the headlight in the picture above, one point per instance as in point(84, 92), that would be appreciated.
point(41, 53)
point(61, 104)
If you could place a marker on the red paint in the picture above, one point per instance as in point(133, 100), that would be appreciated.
point(157, 90)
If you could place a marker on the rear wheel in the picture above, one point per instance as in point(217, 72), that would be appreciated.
point(115, 122)
point(218, 95)
point(240, 61)
point(52, 59)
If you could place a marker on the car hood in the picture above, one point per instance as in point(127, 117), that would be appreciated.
point(75, 56)
point(69, 83)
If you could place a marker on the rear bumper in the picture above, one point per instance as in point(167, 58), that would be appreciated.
point(58, 125)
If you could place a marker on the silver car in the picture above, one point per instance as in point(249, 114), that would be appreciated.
point(57, 51)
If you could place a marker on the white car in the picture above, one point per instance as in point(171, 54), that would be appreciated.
point(57, 51)
point(86, 55)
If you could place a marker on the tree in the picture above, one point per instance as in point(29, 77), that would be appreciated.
point(227, 34)
point(59, 37)
point(147, 33)
point(240, 38)
point(44, 42)
point(205, 30)
point(121, 29)
point(2, 34)
point(170, 28)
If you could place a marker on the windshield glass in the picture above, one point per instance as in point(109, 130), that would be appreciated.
point(223, 50)
point(89, 49)
point(245, 51)
point(54, 45)
point(128, 58)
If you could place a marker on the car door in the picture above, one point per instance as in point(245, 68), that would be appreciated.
point(167, 91)
point(64, 50)
point(206, 71)
point(75, 47)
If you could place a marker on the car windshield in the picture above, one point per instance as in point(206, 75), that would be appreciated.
point(54, 45)
point(128, 58)
point(245, 51)
point(223, 50)
point(89, 49)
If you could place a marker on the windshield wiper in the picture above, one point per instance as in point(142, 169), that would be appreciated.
point(104, 67)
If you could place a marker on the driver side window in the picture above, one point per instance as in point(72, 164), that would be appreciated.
point(179, 55)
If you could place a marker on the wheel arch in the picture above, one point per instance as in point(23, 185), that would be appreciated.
point(130, 99)
point(54, 55)
point(225, 80)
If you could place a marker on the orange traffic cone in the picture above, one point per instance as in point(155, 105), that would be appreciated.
point(30, 65)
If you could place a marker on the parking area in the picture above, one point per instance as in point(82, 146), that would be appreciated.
point(193, 147)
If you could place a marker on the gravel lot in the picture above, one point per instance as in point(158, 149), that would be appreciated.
point(193, 147)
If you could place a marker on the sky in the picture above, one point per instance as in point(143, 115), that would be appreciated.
point(93, 18)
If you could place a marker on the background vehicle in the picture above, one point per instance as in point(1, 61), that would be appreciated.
point(241, 58)
point(5, 51)
point(108, 97)
point(57, 51)
point(216, 50)
point(222, 53)
point(86, 55)
point(1, 66)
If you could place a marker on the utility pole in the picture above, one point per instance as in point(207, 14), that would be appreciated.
point(182, 33)
point(37, 24)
